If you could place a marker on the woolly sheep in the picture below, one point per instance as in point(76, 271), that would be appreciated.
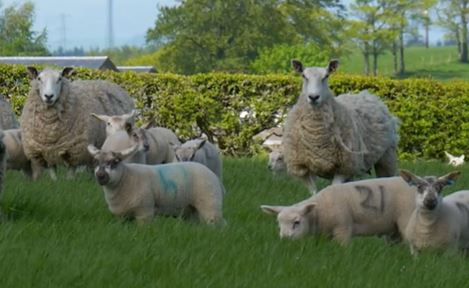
point(7, 116)
point(2, 164)
point(437, 222)
point(380, 206)
point(124, 122)
point(337, 137)
point(201, 151)
point(55, 122)
point(142, 191)
point(16, 159)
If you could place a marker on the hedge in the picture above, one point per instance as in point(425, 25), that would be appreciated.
point(434, 115)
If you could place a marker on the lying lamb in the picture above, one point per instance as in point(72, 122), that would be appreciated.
point(454, 160)
point(55, 122)
point(142, 191)
point(7, 116)
point(379, 206)
point(437, 222)
point(201, 151)
point(337, 137)
point(124, 122)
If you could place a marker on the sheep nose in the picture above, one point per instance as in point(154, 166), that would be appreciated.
point(49, 96)
point(430, 203)
point(313, 98)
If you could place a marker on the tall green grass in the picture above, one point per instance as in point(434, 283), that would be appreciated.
point(62, 235)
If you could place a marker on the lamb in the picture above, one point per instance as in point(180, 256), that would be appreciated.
point(55, 122)
point(3, 157)
point(7, 116)
point(337, 137)
point(276, 159)
point(437, 222)
point(157, 142)
point(201, 151)
point(141, 191)
point(380, 206)
point(116, 123)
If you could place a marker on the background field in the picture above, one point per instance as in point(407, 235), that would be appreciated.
point(62, 235)
point(436, 62)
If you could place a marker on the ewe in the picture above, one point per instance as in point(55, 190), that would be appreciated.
point(55, 123)
point(337, 137)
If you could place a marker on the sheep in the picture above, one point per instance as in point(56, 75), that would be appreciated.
point(337, 137)
point(454, 160)
point(276, 160)
point(201, 151)
point(55, 122)
point(157, 142)
point(380, 206)
point(7, 116)
point(3, 157)
point(16, 159)
point(117, 122)
point(437, 222)
point(141, 191)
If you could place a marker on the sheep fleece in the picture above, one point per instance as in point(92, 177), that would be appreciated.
point(62, 132)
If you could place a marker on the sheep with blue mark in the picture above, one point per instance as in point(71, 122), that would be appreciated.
point(186, 189)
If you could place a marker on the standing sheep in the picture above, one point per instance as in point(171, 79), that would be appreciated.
point(116, 123)
point(379, 206)
point(55, 122)
point(437, 222)
point(143, 191)
point(201, 151)
point(337, 137)
point(7, 116)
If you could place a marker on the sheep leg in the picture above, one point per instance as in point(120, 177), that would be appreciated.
point(52, 172)
point(310, 182)
point(339, 179)
point(342, 234)
point(36, 168)
point(387, 164)
point(71, 173)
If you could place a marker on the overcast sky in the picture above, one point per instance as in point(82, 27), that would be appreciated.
point(85, 21)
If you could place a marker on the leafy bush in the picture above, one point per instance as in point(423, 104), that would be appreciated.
point(433, 114)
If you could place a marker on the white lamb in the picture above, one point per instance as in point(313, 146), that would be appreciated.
point(379, 206)
point(55, 122)
point(124, 122)
point(157, 142)
point(142, 191)
point(7, 116)
point(337, 137)
point(437, 222)
point(201, 151)
point(276, 159)
point(455, 160)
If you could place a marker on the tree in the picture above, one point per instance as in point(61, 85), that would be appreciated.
point(277, 59)
point(16, 35)
point(454, 13)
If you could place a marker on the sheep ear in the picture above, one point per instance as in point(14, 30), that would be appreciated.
point(333, 65)
point(32, 72)
point(103, 118)
point(126, 153)
point(93, 150)
point(149, 124)
point(410, 178)
point(271, 210)
point(130, 115)
point(306, 209)
point(449, 178)
point(68, 71)
point(200, 144)
point(297, 66)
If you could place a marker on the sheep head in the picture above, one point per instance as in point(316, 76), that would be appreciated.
point(108, 170)
point(116, 123)
point(186, 152)
point(48, 83)
point(315, 87)
point(293, 220)
point(429, 188)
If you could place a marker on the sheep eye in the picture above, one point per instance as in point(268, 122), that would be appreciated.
point(39, 78)
point(60, 79)
point(296, 223)
point(108, 123)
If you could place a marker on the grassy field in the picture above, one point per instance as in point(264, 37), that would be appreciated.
point(62, 235)
point(436, 62)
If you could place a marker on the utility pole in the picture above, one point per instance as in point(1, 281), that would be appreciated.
point(110, 35)
point(63, 31)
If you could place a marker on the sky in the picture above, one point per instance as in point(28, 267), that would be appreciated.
point(84, 22)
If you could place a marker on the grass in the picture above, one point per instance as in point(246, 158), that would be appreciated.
point(435, 62)
point(62, 235)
